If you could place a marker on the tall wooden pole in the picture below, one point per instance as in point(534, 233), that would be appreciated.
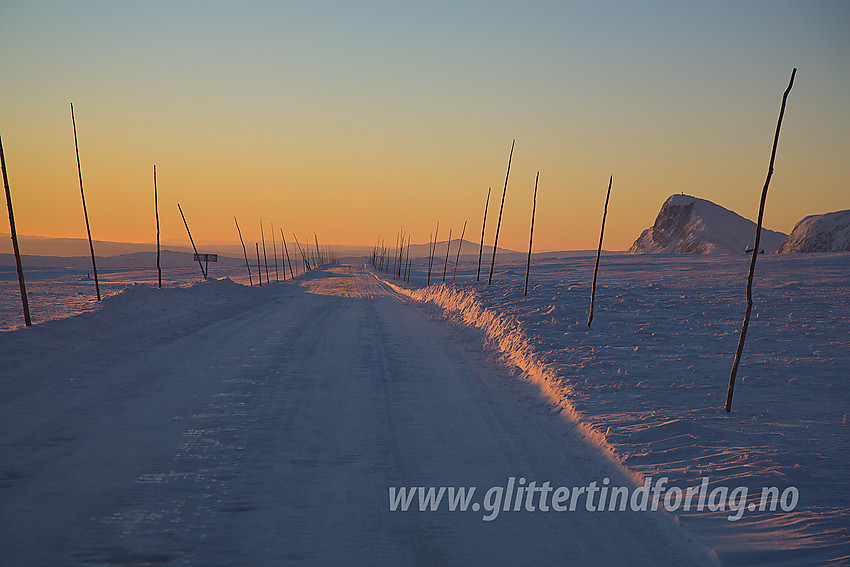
point(431, 252)
point(85, 211)
point(274, 251)
point(318, 249)
point(448, 247)
point(197, 257)
point(245, 252)
point(285, 249)
point(156, 208)
point(599, 253)
point(483, 225)
point(21, 283)
point(259, 268)
point(459, 245)
point(265, 258)
point(499, 224)
point(303, 256)
point(746, 322)
point(407, 261)
point(531, 236)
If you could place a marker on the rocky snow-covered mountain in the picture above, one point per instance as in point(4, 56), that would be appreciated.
point(689, 225)
point(828, 232)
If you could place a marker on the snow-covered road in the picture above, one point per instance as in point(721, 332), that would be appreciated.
point(268, 430)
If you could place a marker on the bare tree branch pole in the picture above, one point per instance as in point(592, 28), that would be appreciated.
point(265, 258)
point(245, 252)
point(259, 268)
point(599, 252)
point(459, 245)
point(448, 247)
point(531, 236)
point(285, 249)
point(746, 322)
point(274, 251)
point(85, 211)
point(303, 256)
point(499, 224)
point(407, 270)
point(197, 257)
point(21, 282)
point(483, 225)
point(156, 209)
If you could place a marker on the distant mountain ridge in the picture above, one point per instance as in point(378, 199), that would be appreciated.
point(690, 225)
point(79, 247)
point(829, 232)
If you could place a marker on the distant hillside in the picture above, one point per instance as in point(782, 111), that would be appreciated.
point(169, 259)
point(689, 225)
point(828, 232)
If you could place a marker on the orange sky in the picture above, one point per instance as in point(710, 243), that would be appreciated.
point(352, 123)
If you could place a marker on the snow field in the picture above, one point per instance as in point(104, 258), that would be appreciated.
point(648, 380)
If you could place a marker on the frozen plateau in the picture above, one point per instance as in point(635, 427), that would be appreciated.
point(210, 423)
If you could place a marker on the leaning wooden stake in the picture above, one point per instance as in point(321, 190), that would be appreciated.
point(197, 257)
point(483, 224)
point(459, 245)
point(407, 260)
point(245, 252)
point(259, 268)
point(756, 250)
point(432, 251)
point(156, 209)
point(285, 249)
point(448, 247)
point(274, 251)
point(499, 224)
point(265, 258)
point(85, 212)
point(21, 283)
point(599, 252)
point(531, 237)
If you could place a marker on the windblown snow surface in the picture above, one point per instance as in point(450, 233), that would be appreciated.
point(689, 225)
point(218, 424)
point(649, 379)
point(828, 232)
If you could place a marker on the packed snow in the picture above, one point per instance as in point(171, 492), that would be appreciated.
point(828, 232)
point(211, 423)
point(689, 225)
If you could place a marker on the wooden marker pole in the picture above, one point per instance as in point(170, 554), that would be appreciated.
point(245, 252)
point(459, 245)
point(407, 261)
point(265, 258)
point(85, 211)
point(21, 283)
point(499, 224)
point(448, 247)
point(599, 253)
point(483, 225)
point(274, 251)
point(746, 322)
point(156, 209)
point(259, 268)
point(285, 249)
point(531, 236)
point(197, 256)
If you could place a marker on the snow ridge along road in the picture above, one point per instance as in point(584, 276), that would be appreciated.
point(265, 427)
